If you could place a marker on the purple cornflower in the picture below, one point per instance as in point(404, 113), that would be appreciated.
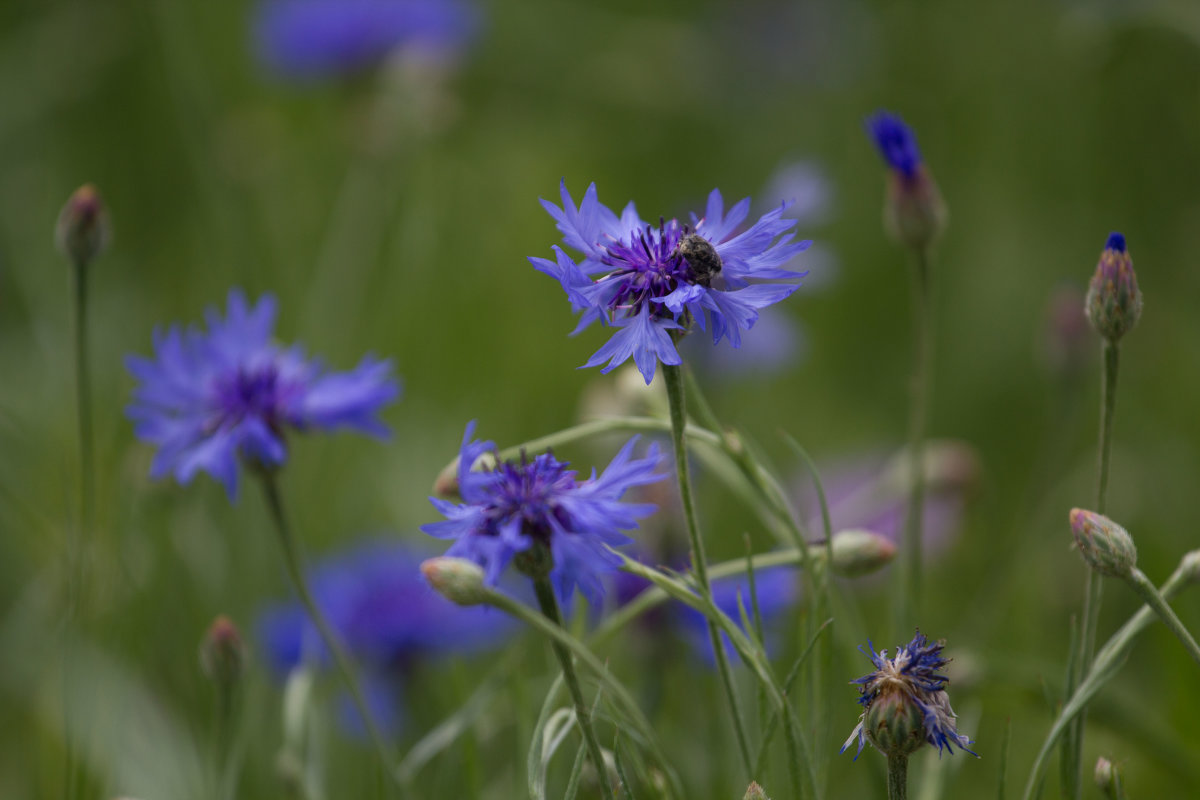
point(657, 280)
point(207, 398)
point(313, 39)
point(904, 702)
point(536, 508)
point(387, 616)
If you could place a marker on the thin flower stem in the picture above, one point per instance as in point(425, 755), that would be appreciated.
point(897, 777)
point(1150, 595)
point(549, 606)
point(292, 560)
point(1094, 582)
point(1108, 660)
point(908, 606)
point(673, 377)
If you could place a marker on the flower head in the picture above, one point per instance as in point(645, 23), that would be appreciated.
point(388, 617)
point(537, 509)
point(913, 212)
point(208, 397)
point(1114, 302)
point(904, 702)
point(650, 281)
point(313, 39)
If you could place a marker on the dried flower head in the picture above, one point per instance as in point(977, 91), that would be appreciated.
point(210, 397)
point(535, 511)
point(904, 702)
point(655, 281)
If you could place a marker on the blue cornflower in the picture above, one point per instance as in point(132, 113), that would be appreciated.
point(659, 280)
point(537, 508)
point(904, 702)
point(207, 398)
point(896, 142)
point(387, 616)
point(312, 39)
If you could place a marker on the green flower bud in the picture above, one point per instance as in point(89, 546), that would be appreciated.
point(895, 723)
point(82, 231)
point(1105, 546)
point(1108, 778)
point(456, 579)
point(1114, 302)
point(860, 552)
point(223, 653)
point(755, 792)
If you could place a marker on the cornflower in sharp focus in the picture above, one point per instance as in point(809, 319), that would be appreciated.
point(905, 704)
point(210, 397)
point(657, 281)
point(537, 512)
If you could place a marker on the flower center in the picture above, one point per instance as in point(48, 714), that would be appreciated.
point(249, 393)
point(528, 495)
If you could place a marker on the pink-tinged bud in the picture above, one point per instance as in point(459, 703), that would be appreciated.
point(755, 792)
point(1105, 546)
point(1114, 302)
point(82, 231)
point(456, 579)
point(861, 552)
point(223, 653)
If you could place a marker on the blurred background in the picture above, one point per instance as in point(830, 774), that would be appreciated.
point(381, 177)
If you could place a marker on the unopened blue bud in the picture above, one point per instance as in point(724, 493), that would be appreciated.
point(1114, 302)
point(913, 211)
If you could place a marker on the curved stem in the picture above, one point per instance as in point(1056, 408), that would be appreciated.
point(1151, 597)
point(292, 560)
point(549, 605)
point(673, 377)
point(908, 606)
point(1108, 659)
point(897, 780)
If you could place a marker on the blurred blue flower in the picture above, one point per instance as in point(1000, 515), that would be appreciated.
point(776, 590)
point(313, 39)
point(511, 507)
point(387, 616)
point(664, 279)
point(908, 685)
point(208, 397)
point(896, 142)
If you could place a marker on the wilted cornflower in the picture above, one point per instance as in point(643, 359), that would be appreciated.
point(534, 510)
point(913, 212)
point(210, 397)
point(654, 281)
point(388, 618)
point(314, 39)
point(904, 702)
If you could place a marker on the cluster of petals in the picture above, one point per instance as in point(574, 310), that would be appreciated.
point(914, 673)
point(633, 276)
point(208, 397)
point(512, 506)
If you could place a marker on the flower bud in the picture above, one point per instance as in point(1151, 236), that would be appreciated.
point(895, 723)
point(82, 231)
point(1105, 546)
point(913, 212)
point(1114, 302)
point(223, 653)
point(456, 579)
point(1108, 778)
point(1190, 564)
point(446, 483)
point(755, 792)
point(860, 552)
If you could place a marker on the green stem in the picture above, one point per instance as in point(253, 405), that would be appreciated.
point(1108, 660)
point(909, 606)
point(1151, 597)
point(1094, 582)
point(549, 605)
point(292, 560)
point(673, 377)
point(897, 777)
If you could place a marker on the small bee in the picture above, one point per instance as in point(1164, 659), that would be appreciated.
point(702, 258)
